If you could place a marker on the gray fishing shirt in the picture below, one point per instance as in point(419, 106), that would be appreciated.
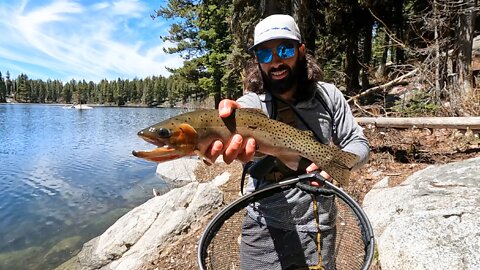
point(293, 209)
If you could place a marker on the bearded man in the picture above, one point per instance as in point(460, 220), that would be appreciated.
point(282, 232)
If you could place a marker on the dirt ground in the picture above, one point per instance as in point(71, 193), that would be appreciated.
point(394, 153)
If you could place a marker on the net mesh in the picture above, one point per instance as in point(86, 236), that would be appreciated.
point(223, 252)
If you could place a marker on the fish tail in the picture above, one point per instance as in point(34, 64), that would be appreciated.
point(341, 165)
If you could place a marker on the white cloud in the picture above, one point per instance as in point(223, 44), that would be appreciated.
point(74, 40)
point(127, 7)
point(101, 5)
point(57, 11)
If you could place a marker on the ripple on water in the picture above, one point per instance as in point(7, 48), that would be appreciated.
point(63, 171)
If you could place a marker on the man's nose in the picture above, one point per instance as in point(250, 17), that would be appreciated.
point(276, 60)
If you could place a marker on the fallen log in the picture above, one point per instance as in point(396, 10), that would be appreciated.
point(464, 123)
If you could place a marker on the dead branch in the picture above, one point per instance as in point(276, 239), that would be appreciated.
point(355, 102)
point(383, 86)
point(388, 32)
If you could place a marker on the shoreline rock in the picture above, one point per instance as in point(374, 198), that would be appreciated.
point(431, 220)
point(142, 233)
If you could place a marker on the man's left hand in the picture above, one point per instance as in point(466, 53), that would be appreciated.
point(324, 174)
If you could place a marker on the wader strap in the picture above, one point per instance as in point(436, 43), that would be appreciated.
point(319, 266)
point(246, 168)
point(320, 99)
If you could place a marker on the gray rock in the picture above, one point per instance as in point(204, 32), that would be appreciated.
point(141, 234)
point(430, 221)
point(178, 171)
point(221, 179)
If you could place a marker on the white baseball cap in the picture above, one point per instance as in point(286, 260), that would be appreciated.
point(276, 26)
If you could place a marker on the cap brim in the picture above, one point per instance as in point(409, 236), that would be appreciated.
point(252, 48)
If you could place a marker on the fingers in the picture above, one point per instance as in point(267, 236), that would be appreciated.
point(236, 148)
point(312, 168)
point(226, 106)
point(233, 149)
point(249, 150)
point(214, 151)
point(240, 149)
point(325, 175)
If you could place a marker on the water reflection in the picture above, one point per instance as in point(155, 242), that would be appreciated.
point(66, 175)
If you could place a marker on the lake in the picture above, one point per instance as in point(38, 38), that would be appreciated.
point(66, 175)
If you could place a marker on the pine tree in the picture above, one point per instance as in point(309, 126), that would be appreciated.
point(201, 35)
point(3, 89)
point(24, 88)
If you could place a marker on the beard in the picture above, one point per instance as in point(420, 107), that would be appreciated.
point(278, 87)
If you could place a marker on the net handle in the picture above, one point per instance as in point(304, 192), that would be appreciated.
point(301, 182)
point(330, 189)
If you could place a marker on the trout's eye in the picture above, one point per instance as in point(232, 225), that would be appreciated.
point(164, 133)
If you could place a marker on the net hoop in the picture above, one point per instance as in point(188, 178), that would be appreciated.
point(301, 182)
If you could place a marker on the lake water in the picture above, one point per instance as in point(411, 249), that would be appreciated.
point(66, 175)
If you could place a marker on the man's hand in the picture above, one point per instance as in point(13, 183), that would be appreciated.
point(236, 147)
point(324, 174)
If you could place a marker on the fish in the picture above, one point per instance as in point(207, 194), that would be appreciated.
point(191, 133)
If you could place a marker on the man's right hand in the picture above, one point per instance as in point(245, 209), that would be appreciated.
point(236, 147)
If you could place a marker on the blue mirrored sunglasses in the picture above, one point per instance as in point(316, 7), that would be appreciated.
point(284, 51)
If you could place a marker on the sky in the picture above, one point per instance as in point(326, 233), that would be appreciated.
point(83, 39)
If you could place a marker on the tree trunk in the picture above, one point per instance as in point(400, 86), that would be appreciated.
point(303, 13)
point(352, 67)
point(465, 39)
point(269, 7)
point(381, 71)
point(398, 21)
point(436, 18)
point(367, 56)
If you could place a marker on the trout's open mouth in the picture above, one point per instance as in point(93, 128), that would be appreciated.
point(161, 149)
point(159, 154)
point(139, 153)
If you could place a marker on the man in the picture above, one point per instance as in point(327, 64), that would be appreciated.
point(282, 232)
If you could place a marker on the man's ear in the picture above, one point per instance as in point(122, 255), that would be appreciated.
point(301, 51)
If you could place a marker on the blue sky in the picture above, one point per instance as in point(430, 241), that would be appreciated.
point(91, 40)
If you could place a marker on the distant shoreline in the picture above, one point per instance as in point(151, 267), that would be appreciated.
point(100, 105)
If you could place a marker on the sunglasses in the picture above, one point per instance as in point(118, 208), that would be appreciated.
point(284, 51)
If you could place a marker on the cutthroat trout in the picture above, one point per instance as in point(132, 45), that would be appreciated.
point(193, 132)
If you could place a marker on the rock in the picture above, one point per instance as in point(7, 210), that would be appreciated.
point(221, 179)
point(430, 221)
point(27, 257)
point(141, 234)
point(178, 171)
point(59, 249)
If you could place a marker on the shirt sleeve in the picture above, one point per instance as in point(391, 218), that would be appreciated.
point(349, 135)
point(253, 100)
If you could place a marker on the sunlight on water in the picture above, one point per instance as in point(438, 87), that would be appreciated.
point(66, 175)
